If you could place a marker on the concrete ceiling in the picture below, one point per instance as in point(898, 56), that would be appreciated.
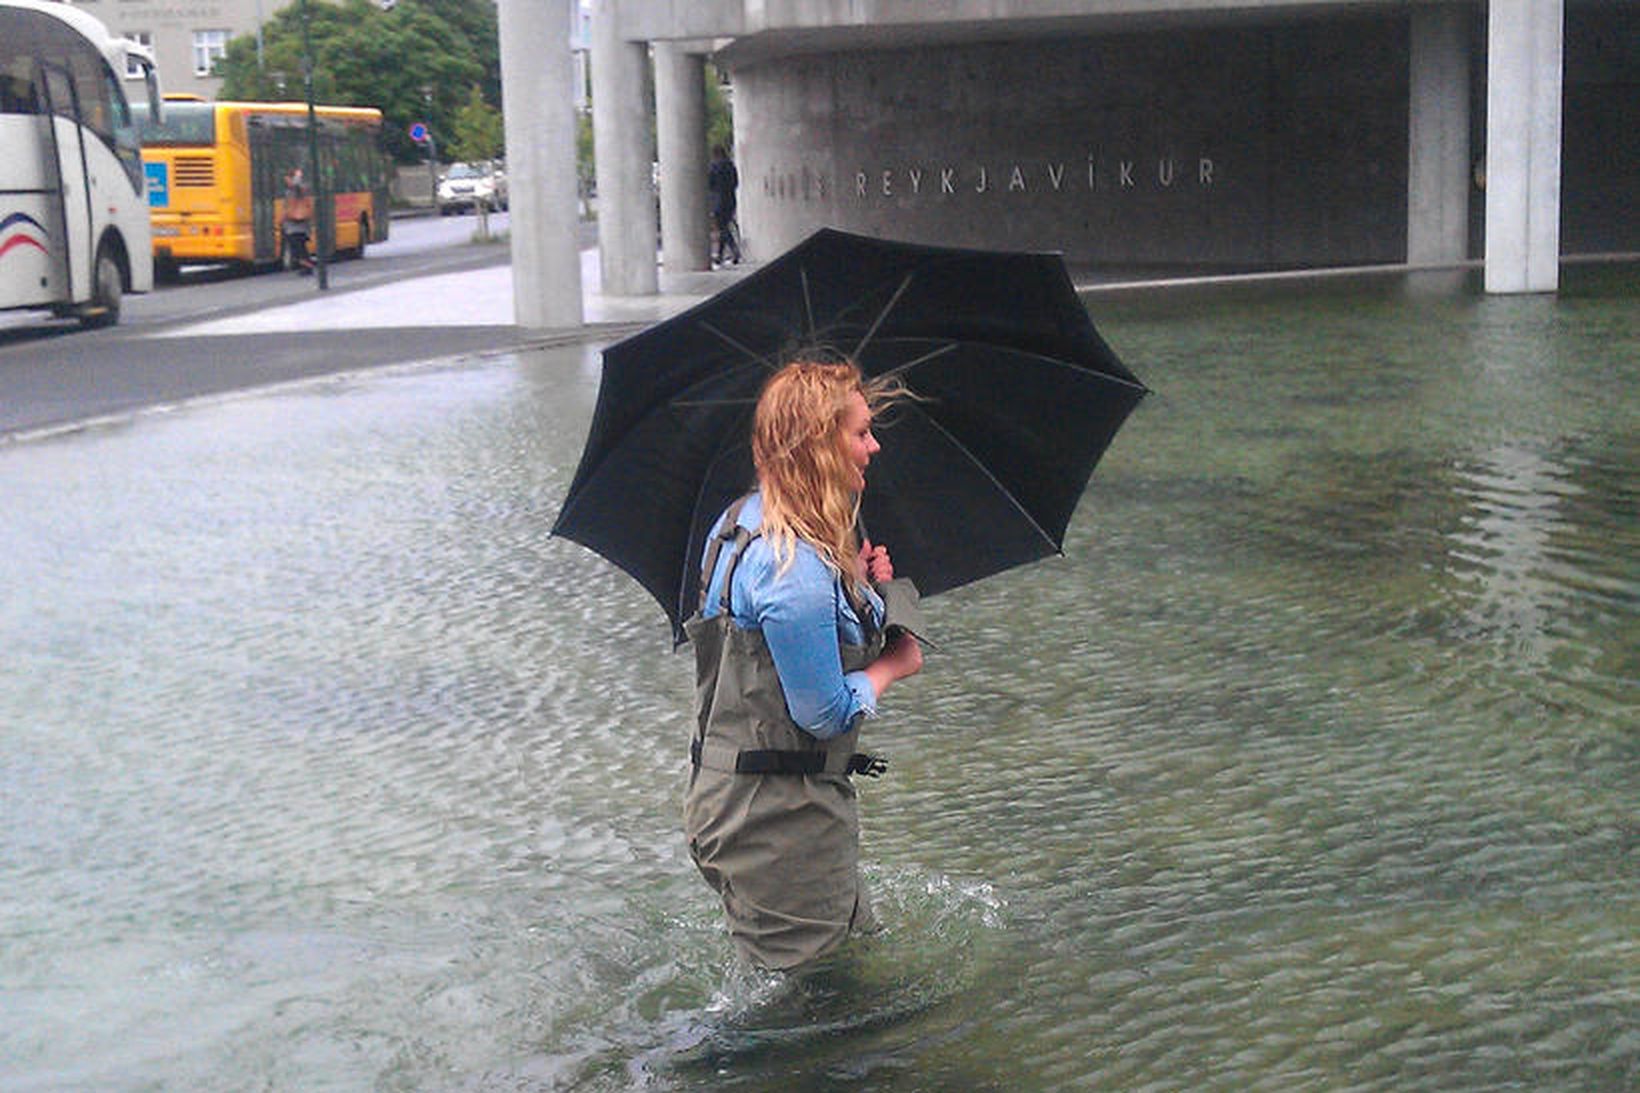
point(775, 43)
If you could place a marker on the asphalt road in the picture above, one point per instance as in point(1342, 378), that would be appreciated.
point(53, 373)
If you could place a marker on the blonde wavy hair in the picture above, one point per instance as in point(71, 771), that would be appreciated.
point(802, 468)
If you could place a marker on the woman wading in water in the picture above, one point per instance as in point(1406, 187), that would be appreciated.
point(790, 657)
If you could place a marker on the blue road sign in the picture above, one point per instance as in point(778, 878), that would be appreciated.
point(418, 132)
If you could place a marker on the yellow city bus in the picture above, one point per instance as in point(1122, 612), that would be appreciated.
point(216, 175)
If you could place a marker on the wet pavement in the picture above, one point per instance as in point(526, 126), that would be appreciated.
point(422, 297)
point(469, 298)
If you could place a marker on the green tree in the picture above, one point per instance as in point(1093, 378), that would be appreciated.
point(478, 130)
point(720, 118)
point(416, 62)
point(585, 172)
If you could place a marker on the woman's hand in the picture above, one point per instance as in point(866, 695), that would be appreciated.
point(901, 659)
point(875, 565)
point(903, 656)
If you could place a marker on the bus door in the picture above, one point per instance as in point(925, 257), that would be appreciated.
point(267, 185)
point(73, 184)
point(31, 214)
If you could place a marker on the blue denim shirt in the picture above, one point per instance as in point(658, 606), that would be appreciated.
point(804, 616)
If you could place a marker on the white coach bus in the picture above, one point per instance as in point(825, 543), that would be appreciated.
point(74, 235)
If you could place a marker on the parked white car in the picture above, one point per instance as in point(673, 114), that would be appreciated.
point(470, 185)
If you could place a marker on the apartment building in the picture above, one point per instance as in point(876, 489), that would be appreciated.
point(187, 36)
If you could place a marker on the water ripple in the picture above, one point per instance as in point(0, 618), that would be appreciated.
point(1311, 764)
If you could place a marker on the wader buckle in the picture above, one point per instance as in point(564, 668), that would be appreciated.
point(869, 765)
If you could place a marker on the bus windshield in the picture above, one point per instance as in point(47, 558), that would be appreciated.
point(184, 123)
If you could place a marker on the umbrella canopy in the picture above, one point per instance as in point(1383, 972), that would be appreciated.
point(1017, 398)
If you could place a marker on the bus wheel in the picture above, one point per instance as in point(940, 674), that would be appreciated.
point(166, 271)
point(107, 285)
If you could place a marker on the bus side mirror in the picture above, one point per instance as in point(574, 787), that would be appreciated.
point(142, 56)
point(150, 79)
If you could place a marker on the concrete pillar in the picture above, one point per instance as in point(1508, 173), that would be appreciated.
point(620, 130)
point(538, 113)
point(1438, 171)
point(680, 131)
point(1523, 78)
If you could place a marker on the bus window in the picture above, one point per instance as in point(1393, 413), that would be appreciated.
point(95, 84)
point(183, 123)
point(119, 108)
point(124, 130)
point(17, 94)
point(60, 93)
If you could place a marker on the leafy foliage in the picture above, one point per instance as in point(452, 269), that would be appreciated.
point(419, 61)
point(720, 120)
point(478, 130)
point(586, 173)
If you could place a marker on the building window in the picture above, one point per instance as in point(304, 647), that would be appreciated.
point(144, 38)
point(209, 48)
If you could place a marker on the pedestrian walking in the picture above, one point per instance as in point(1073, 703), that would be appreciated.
point(297, 224)
point(722, 181)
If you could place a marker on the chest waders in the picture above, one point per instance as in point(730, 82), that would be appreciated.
point(770, 814)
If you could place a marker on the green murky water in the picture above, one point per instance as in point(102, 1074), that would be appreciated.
point(1313, 764)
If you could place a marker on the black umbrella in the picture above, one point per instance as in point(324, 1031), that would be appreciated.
point(1018, 397)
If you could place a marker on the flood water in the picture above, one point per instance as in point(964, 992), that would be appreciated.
point(1313, 765)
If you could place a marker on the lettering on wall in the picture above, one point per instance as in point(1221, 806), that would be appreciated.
point(1020, 178)
point(804, 184)
point(163, 12)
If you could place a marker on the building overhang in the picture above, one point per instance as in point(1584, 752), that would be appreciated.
point(749, 31)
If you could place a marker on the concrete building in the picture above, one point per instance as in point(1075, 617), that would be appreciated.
point(1138, 134)
point(187, 37)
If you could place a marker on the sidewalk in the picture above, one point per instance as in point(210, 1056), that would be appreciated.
point(474, 298)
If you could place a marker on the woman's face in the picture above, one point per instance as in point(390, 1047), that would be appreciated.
point(858, 443)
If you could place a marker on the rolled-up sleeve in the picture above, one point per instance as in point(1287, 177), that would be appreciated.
point(798, 614)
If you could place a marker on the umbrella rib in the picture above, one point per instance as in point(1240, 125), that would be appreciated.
point(808, 304)
point(1048, 359)
point(587, 472)
point(892, 300)
point(979, 465)
point(757, 358)
point(711, 401)
point(731, 371)
point(913, 362)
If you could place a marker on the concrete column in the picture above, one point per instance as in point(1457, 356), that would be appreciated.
point(538, 113)
point(1523, 78)
point(680, 131)
point(1438, 137)
point(620, 130)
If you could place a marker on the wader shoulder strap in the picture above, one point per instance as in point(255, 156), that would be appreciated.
point(731, 532)
point(743, 539)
